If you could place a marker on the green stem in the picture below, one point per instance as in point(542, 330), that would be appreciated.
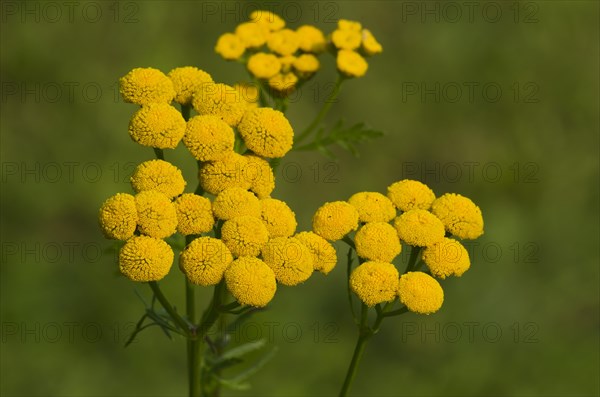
point(364, 335)
point(180, 322)
point(192, 343)
point(414, 254)
point(159, 153)
point(185, 111)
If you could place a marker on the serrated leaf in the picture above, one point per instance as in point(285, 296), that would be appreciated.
point(242, 350)
point(347, 137)
point(248, 372)
point(233, 384)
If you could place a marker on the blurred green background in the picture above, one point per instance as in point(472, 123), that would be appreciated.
point(520, 138)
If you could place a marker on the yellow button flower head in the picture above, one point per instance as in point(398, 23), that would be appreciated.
point(157, 125)
point(187, 80)
point(419, 228)
point(334, 220)
point(204, 261)
point(228, 170)
point(351, 63)
point(260, 175)
point(118, 216)
point(220, 100)
point(446, 258)
point(372, 207)
point(377, 241)
point(144, 258)
point(375, 282)
point(143, 86)
point(272, 21)
point(291, 261)
point(324, 255)
point(284, 42)
point(286, 63)
point(264, 66)
point(369, 44)
point(346, 39)
point(283, 83)
point(156, 214)
point(266, 132)
point(244, 235)
point(194, 214)
point(158, 175)
point(311, 39)
point(248, 92)
point(230, 47)
point(460, 215)
point(279, 219)
point(420, 292)
point(344, 24)
point(235, 201)
point(208, 137)
point(306, 65)
point(251, 281)
point(252, 34)
point(408, 194)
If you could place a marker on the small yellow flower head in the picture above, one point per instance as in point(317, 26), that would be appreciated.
point(144, 258)
point(408, 195)
point(244, 235)
point(143, 86)
point(460, 215)
point(375, 282)
point(369, 44)
point(420, 292)
point(286, 63)
point(272, 21)
point(249, 92)
point(235, 201)
point(419, 228)
point(284, 42)
point(377, 241)
point(266, 132)
point(283, 83)
point(344, 24)
point(230, 47)
point(251, 281)
point(204, 261)
point(324, 255)
point(156, 214)
point(373, 207)
point(279, 219)
point(334, 220)
point(311, 39)
point(220, 100)
point(194, 214)
point(118, 216)
point(446, 258)
point(187, 80)
point(264, 66)
point(157, 125)
point(306, 65)
point(351, 63)
point(346, 39)
point(252, 34)
point(228, 170)
point(208, 137)
point(158, 175)
point(260, 175)
point(291, 261)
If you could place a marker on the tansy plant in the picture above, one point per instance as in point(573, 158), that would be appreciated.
point(231, 235)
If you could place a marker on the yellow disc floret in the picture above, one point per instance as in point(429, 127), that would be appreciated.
point(263, 66)
point(204, 261)
point(324, 255)
point(420, 292)
point(248, 92)
point(244, 235)
point(187, 80)
point(208, 137)
point(251, 281)
point(306, 65)
point(372, 207)
point(283, 83)
point(279, 219)
point(266, 132)
point(284, 42)
point(259, 173)
point(419, 228)
point(158, 175)
point(311, 39)
point(375, 282)
point(344, 24)
point(286, 63)
point(290, 259)
point(351, 63)
point(143, 86)
point(235, 201)
point(156, 214)
point(369, 44)
point(194, 214)
point(346, 39)
point(408, 194)
point(228, 170)
point(334, 220)
point(446, 258)
point(230, 47)
point(144, 258)
point(272, 21)
point(377, 241)
point(118, 216)
point(220, 100)
point(157, 125)
point(252, 34)
point(460, 215)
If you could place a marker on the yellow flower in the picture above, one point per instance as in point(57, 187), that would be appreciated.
point(324, 255)
point(260, 175)
point(158, 175)
point(251, 281)
point(194, 214)
point(372, 207)
point(283, 42)
point(374, 282)
point(220, 100)
point(252, 34)
point(248, 92)
point(266, 132)
point(208, 137)
point(244, 235)
point(283, 83)
point(311, 39)
point(344, 24)
point(143, 86)
point(286, 63)
point(351, 63)
point(306, 64)
point(460, 215)
point(272, 21)
point(228, 170)
point(420, 292)
point(263, 66)
point(408, 194)
point(144, 258)
point(156, 214)
point(157, 125)
point(377, 241)
point(290, 260)
point(419, 228)
point(118, 216)
point(446, 258)
point(230, 47)
point(334, 220)
point(204, 261)
point(235, 201)
point(279, 219)
point(346, 39)
point(187, 80)
point(369, 44)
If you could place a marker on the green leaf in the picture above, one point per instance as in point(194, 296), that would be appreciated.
point(242, 350)
point(347, 137)
point(248, 372)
